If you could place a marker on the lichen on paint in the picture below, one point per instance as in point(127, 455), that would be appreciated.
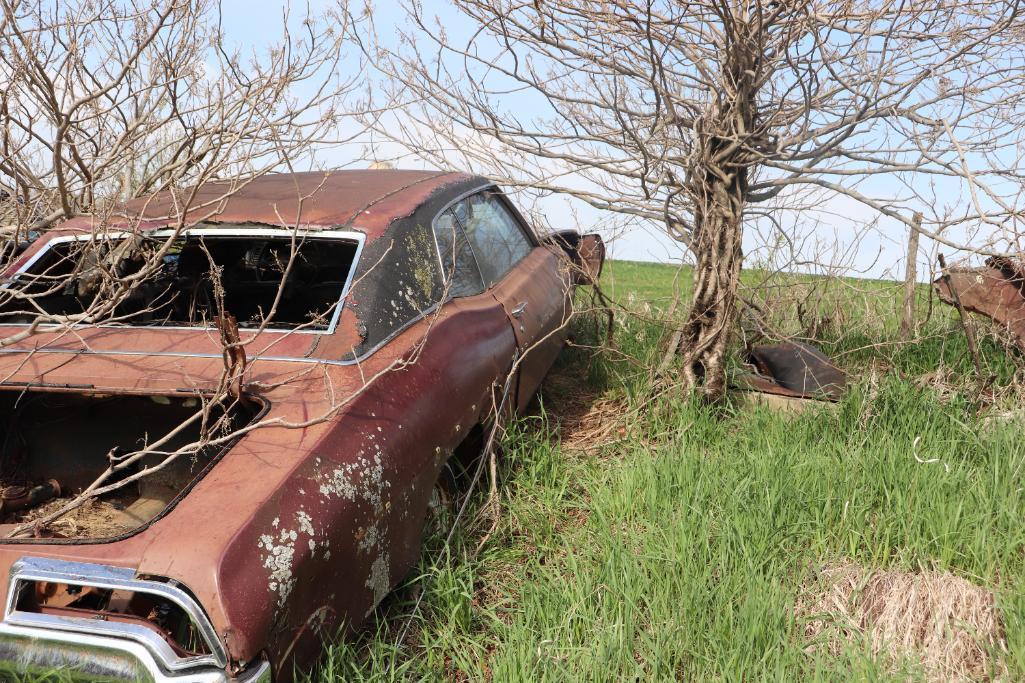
point(305, 522)
point(370, 540)
point(379, 580)
point(279, 555)
point(362, 479)
point(278, 560)
point(339, 483)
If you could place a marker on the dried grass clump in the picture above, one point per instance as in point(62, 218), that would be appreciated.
point(944, 382)
point(586, 420)
point(597, 425)
point(94, 519)
point(948, 624)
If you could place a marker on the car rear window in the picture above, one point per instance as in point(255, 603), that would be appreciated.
point(281, 281)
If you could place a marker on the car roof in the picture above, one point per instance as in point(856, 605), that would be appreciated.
point(366, 199)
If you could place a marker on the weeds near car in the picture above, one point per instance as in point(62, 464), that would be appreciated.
point(682, 544)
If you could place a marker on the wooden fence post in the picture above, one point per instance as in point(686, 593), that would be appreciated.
point(907, 323)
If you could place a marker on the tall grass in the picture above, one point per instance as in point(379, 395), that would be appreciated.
point(677, 550)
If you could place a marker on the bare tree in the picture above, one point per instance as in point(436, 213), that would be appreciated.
point(118, 109)
point(110, 100)
point(710, 115)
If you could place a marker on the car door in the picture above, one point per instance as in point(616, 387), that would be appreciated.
point(525, 279)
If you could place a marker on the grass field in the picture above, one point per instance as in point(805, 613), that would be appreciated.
point(644, 538)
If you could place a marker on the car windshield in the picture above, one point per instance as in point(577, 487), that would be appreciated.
point(276, 279)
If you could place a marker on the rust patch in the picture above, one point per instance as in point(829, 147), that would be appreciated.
point(995, 291)
point(322, 199)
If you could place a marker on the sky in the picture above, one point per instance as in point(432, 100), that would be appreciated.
point(834, 234)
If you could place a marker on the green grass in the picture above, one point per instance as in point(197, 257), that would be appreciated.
point(677, 549)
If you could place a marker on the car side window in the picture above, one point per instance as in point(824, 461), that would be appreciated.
point(497, 239)
point(462, 277)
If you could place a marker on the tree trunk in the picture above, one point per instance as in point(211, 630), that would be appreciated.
point(728, 141)
point(717, 245)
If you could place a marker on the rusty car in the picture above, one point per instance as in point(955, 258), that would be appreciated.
point(416, 308)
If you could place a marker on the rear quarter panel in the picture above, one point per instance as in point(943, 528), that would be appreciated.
point(346, 526)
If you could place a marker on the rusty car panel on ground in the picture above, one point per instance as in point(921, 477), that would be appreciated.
point(794, 370)
point(407, 299)
point(996, 290)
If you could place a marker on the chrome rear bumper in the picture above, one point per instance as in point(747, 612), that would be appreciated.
point(82, 657)
point(98, 650)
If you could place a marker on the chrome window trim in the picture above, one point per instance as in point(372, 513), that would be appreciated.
point(115, 578)
point(175, 354)
point(430, 310)
point(351, 235)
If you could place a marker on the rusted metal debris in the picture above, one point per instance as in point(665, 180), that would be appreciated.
point(996, 290)
point(794, 370)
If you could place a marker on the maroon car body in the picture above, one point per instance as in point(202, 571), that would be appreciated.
point(292, 532)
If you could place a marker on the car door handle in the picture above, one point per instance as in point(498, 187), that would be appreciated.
point(518, 311)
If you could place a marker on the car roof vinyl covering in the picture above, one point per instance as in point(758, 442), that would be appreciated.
point(367, 199)
point(398, 279)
